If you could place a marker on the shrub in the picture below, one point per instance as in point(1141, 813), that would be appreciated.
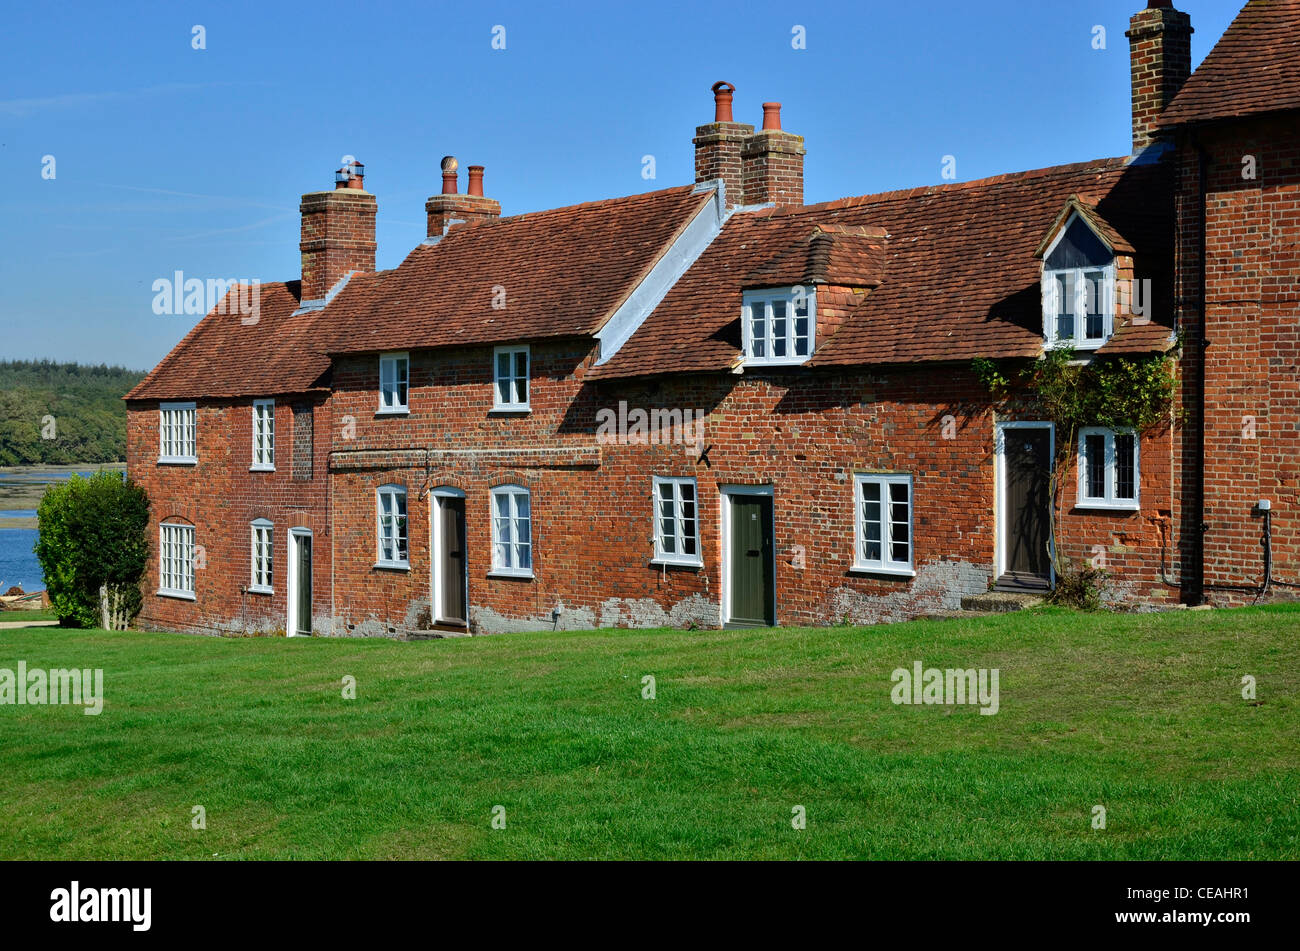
point(1078, 587)
point(93, 545)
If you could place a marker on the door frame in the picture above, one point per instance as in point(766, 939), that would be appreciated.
point(291, 620)
point(435, 550)
point(725, 494)
point(1000, 503)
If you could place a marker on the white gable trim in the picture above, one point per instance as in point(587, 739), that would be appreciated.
point(1065, 226)
point(667, 271)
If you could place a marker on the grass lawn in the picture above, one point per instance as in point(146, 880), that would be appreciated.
point(1142, 714)
point(37, 615)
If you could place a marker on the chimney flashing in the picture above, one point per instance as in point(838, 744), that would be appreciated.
point(308, 306)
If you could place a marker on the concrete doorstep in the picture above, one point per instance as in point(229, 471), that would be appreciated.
point(1000, 602)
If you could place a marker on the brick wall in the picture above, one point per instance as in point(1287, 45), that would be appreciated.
point(220, 497)
point(804, 433)
point(1252, 325)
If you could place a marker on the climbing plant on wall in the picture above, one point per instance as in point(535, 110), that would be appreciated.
point(1115, 392)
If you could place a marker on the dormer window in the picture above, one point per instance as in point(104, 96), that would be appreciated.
point(778, 326)
point(1078, 286)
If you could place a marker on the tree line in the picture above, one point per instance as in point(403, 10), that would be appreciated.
point(62, 413)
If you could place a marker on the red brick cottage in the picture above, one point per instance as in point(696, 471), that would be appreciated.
point(714, 404)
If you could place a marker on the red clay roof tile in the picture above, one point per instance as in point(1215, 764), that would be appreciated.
point(225, 357)
point(960, 276)
point(563, 273)
point(1254, 68)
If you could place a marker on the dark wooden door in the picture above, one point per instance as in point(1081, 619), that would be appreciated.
point(752, 567)
point(452, 580)
point(1027, 454)
point(302, 614)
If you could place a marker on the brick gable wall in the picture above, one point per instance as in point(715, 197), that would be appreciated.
point(1252, 324)
point(221, 497)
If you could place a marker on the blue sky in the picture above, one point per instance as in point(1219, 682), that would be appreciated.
point(169, 158)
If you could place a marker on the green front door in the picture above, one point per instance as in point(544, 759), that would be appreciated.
point(752, 568)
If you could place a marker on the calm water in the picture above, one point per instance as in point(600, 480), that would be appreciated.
point(18, 564)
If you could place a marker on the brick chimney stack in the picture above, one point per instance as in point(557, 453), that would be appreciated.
point(1160, 45)
point(338, 233)
point(718, 146)
point(450, 207)
point(773, 162)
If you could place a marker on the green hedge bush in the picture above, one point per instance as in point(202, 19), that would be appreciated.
point(92, 534)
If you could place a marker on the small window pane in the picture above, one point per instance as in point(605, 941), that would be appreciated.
point(1064, 307)
point(1125, 468)
point(779, 341)
point(871, 526)
point(1094, 302)
point(899, 535)
point(758, 329)
point(1095, 466)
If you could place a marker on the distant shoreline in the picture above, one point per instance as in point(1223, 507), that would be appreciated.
point(21, 487)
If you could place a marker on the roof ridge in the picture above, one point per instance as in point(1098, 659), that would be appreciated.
point(596, 202)
point(851, 201)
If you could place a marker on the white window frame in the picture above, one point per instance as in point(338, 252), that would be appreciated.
point(512, 380)
point(767, 297)
point(176, 560)
point(1109, 500)
point(1052, 304)
point(886, 564)
point(390, 382)
point(662, 556)
point(184, 415)
point(383, 543)
point(262, 556)
point(512, 569)
point(263, 436)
